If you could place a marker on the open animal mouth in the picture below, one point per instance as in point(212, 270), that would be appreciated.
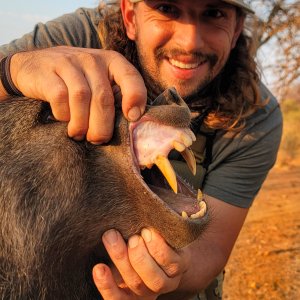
point(152, 143)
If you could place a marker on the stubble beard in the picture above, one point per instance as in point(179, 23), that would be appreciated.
point(156, 85)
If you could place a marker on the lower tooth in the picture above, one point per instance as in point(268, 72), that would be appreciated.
point(184, 215)
point(199, 195)
point(202, 205)
point(201, 212)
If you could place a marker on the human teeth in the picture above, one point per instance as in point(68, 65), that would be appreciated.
point(178, 146)
point(166, 168)
point(182, 65)
point(189, 157)
point(186, 139)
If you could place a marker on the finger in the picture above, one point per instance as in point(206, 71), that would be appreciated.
point(131, 84)
point(167, 258)
point(79, 98)
point(117, 250)
point(106, 284)
point(55, 92)
point(102, 109)
point(150, 272)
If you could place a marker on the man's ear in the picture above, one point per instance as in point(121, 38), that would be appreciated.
point(128, 14)
point(238, 30)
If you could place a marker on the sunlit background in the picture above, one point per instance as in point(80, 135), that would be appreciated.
point(271, 271)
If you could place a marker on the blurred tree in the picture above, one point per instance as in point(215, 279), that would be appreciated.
point(278, 27)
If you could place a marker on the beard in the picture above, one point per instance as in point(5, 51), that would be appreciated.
point(156, 85)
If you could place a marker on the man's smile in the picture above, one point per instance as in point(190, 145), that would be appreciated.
point(184, 65)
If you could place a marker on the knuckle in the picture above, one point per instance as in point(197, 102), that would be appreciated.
point(158, 285)
point(119, 254)
point(59, 95)
point(81, 94)
point(137, 285)
point(172, 270)
point(88, 58)
point(138, 258)
point(105, 96)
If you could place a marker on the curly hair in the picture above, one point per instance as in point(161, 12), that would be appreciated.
point(231, 97)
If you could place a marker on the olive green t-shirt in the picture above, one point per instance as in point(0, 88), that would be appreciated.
point(240, 161)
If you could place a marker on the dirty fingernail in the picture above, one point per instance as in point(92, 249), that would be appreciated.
point(111, 237)
point(147, 235)
point(133, 241)
point(134, 113)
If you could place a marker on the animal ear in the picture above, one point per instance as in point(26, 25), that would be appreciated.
point(169, 97)
point(128, 14)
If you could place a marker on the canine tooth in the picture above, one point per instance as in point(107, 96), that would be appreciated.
point(189, 157)
point(178, 146)
point(199, 196)
point(187, 140)
point(184, 215)
point(166, 168)
point(203, 206)
point(191, 134)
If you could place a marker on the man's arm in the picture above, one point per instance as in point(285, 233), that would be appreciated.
point(151, 268)
point(61, 63)
point(77, 82)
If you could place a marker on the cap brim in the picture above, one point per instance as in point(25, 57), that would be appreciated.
point(242, 5)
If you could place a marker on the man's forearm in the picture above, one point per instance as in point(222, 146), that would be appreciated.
point(207, 261)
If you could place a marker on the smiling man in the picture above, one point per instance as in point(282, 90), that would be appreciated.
point(79, 61)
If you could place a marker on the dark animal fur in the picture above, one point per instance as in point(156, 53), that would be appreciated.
point(58, 196)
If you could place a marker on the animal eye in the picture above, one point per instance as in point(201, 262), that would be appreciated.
point(46, 116)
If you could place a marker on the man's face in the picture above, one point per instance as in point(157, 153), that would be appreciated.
point(181, 43)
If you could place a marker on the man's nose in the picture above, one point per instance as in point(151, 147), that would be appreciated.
point(189, 36)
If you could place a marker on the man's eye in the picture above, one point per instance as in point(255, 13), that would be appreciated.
point(168, 10)
point(214, 13)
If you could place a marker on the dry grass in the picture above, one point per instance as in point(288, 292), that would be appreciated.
point(289, 152)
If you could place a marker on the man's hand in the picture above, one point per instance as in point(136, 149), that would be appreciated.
point(145, 269)
point(77, 83)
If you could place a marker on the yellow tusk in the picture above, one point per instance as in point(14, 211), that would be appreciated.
point(167, 170)
point(189, 157)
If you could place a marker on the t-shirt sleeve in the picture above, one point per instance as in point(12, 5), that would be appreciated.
point(242, 161)
point(78, 29)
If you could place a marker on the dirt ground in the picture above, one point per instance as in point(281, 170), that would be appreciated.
point(265, 263)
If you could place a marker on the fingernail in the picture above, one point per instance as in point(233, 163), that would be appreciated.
point(99, 272)
point(147, 235)
point(133, 241)
point(134, 113)
point(111, 237)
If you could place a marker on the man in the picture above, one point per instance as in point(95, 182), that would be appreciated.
point(200, 48)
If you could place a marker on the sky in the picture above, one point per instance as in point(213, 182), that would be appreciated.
point(18, 17)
